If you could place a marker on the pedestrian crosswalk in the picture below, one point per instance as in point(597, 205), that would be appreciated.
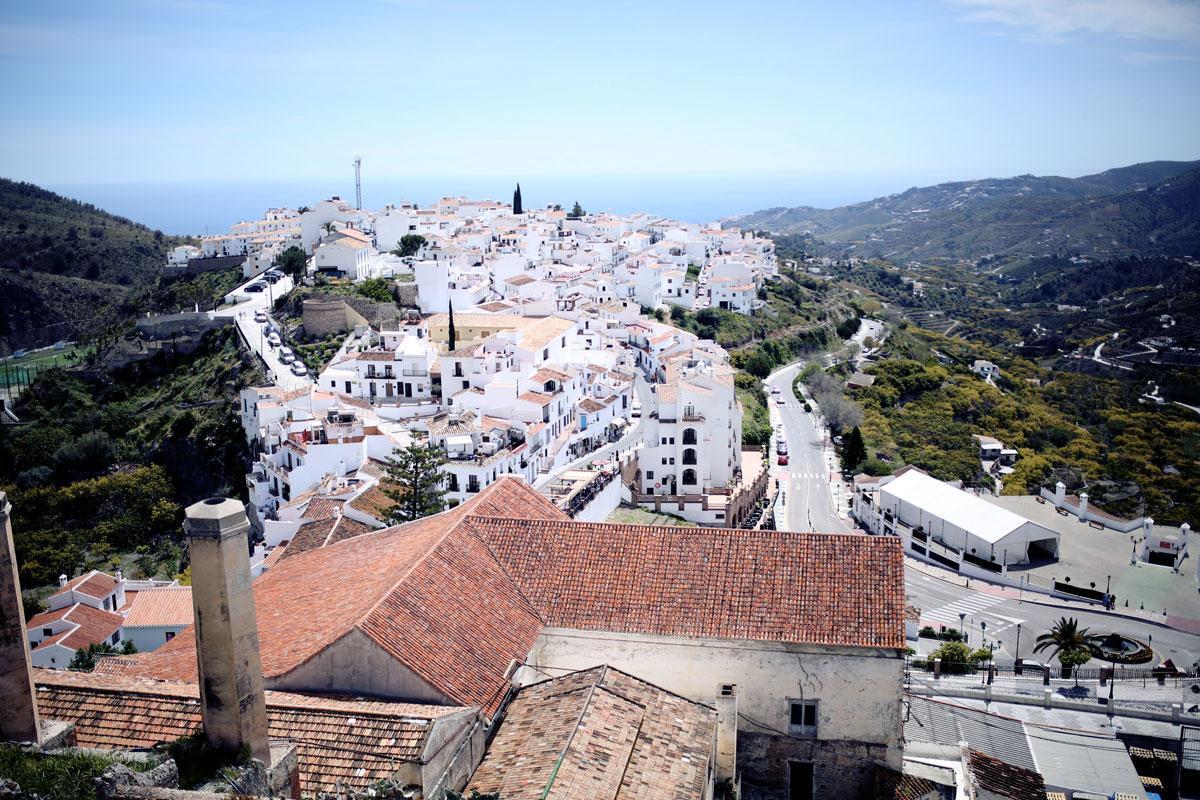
point(971, 605)
point(809, 475)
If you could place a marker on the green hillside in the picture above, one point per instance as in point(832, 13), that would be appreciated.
point(62, 262)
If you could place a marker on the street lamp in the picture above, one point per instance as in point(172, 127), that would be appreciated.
point(983, 642)
point(962, 618)
point(1017, 654)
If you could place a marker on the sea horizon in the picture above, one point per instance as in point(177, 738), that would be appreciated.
point(195, 208)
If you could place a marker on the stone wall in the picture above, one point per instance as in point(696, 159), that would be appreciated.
point(322, 316)
point(842, 769)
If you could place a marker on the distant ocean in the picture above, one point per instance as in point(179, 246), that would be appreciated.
point(197, 208)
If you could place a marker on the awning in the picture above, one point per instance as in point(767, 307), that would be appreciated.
point(461, 440)
point(618, 421)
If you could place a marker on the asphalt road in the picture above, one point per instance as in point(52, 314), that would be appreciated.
point(806, 478)
point(941, 603)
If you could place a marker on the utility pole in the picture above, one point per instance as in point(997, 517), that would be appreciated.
point(358, 183)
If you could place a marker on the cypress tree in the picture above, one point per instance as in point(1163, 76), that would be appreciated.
point(517, 207)
point(854, 451)
point(450, 341)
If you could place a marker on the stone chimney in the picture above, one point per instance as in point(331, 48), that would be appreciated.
point(726, 704)
point(232, 695)
point(18, 711)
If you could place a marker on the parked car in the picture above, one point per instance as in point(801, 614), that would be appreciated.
point(778, 401)
point(273, 339)
point(776, 390)
point(298, 368)
point(286, 358)
point(256, 287)
point(271, 278)
point(781, 447)
point(260, 317)
point(783, 459)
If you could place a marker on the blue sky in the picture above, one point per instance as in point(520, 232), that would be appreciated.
point(202, 90)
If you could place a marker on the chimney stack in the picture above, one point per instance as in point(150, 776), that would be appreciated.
point(18, 710)
point(726, 704)
point(231, 681)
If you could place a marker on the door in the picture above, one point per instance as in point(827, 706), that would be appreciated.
point(800, 780)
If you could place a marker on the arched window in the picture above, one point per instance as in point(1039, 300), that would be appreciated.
point(689, 477)
point(689, 456)
point(689, 436)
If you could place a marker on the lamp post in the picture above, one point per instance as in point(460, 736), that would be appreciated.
point(962, 618)
point(1017, 654)
point(983, 643)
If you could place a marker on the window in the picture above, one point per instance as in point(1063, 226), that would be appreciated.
point(802, 717)
point(800, 780)
point(689, 456)
point(170, 635)
point(689, 436)
point(116, 637)
point(47, 631)
point(649, 476)
point(689, 477)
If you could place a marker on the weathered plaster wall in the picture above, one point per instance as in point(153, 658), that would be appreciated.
point(859, 690)
point(355, 663)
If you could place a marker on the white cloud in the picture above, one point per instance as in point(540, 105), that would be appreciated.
point(1163, 20)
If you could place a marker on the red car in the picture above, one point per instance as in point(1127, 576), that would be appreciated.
point(783, 459)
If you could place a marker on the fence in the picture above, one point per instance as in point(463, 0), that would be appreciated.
point(1035, 673)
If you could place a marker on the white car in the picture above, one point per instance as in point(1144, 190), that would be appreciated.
point(260, 317)
point(778, 401)
point(776, 390)
point(286, 357)
point(298, 368)
point(273, 339)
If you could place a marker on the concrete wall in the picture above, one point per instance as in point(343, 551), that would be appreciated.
point(356, 664)
point(602, 504)
point(164, 326)
point(149, 637)
point(859, 711)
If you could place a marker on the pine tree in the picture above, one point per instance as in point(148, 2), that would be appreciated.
point(450, 335)
point(517, 207)
point(854, 451)
point(416, 480)
point(576, 211)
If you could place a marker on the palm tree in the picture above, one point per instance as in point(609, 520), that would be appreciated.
point(329, 227)
point(1065, 636)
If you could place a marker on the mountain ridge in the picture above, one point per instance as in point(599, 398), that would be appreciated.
point(1001, 216)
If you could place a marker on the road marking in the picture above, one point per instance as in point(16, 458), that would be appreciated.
point(969, 605)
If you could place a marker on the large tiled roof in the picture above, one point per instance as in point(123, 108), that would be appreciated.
point(353, 742)
point(818, 588)
point(166, 606)
point(599, 735)
point(457, 596)
point(428, 592)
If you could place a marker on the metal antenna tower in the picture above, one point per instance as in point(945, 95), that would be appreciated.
point(358, 183)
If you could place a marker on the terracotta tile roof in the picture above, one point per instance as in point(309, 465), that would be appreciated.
point(375, 502)
point(817, 588)
point(322, 508)
point(992, 775)
point(601, 735)
point(406, 587)
point(893, 785)
point(92, 626)
point(352, 741)
point(93, 584)
point(590, 406)
point(537, 398)
point(170, 605)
